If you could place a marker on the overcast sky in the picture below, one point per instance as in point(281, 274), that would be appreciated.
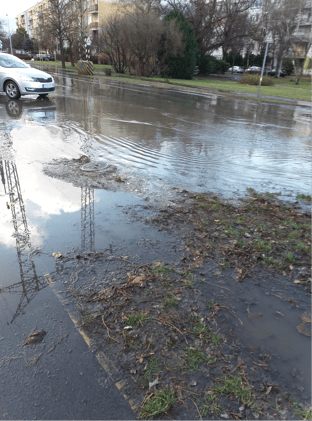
point(12, 8)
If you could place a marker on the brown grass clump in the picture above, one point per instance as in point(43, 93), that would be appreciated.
point(254, 80)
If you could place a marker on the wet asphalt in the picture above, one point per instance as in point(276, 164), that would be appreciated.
point(164, 140)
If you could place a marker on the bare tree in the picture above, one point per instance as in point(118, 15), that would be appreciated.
point(143, 31)
point(60, 21)
point(114, 42)
point(215, 22)
point(134, 35)
point(283, 18)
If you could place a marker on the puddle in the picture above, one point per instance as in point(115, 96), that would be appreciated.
point(269, 325)
point(152, 142)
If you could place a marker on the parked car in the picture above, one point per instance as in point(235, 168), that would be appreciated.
point(51, 57)
point(273, 71)
point(253, 69)
point(18, 78)
point(236, 69)
point(44, 57)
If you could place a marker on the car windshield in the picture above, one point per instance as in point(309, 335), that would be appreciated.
point(11, 62)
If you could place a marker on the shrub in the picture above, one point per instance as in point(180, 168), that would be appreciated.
point(209, 64)
point(254, 72)
point(254, 80)
point(206, 64)
point(182, 66)
point(221, 66)
point(288, 66)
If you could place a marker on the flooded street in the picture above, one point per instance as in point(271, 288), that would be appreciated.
point(152, 143)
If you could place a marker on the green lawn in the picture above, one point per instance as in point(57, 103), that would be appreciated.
point(283, 87)
point(97, 67)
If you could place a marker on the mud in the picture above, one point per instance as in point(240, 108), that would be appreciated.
point(225, 343)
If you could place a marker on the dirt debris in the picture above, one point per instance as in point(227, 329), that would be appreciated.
point(172, 346)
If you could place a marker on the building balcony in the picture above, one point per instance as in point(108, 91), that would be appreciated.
point(93, 25)
point(94, 8)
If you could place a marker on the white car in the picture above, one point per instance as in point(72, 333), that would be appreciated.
point(19, 78)
point(253, 69)
point(236, 69)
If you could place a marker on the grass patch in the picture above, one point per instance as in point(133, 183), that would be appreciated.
point(58, 64)
point(302, 247)
point(136, 319)
point(282, 90)
point(171, 300)
point(88, 320)
point(239, 243)
point(193, 357)
point(303, 196)
point(157, 403)
point(188, 275)
point(262, 245)
point(234, 387)
point(304, 414)
point(151, 371)
point(203, 332)
point(290, 257)
point(270, 261)
point(161, 270)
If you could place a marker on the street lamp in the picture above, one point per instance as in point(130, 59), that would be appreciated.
point(10, 35)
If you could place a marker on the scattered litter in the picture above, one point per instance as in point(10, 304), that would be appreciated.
point(152, 384)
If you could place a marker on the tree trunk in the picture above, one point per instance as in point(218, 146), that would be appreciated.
point(62, 54)
point(71, 55)
point(298, 71)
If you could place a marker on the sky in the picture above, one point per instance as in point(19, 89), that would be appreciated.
point(12, 8)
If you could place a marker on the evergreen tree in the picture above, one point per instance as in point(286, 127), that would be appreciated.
point(182, 66)
point(28, 45)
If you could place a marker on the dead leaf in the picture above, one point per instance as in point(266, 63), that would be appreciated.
point(217, 272)
point(57, 255)
point(292, 302)
point(306, 317)
point(179, 393)
point(304, 327)
point(34, 338)
point(297, 281)
point(291, 267)
point(138, 280)
point(268, 390)
point(198, 264)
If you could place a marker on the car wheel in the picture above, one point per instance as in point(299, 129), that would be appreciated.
point(14, 108)
point(12, 90)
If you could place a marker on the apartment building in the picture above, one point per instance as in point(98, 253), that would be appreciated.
point(31, 19)
point(93, 13)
